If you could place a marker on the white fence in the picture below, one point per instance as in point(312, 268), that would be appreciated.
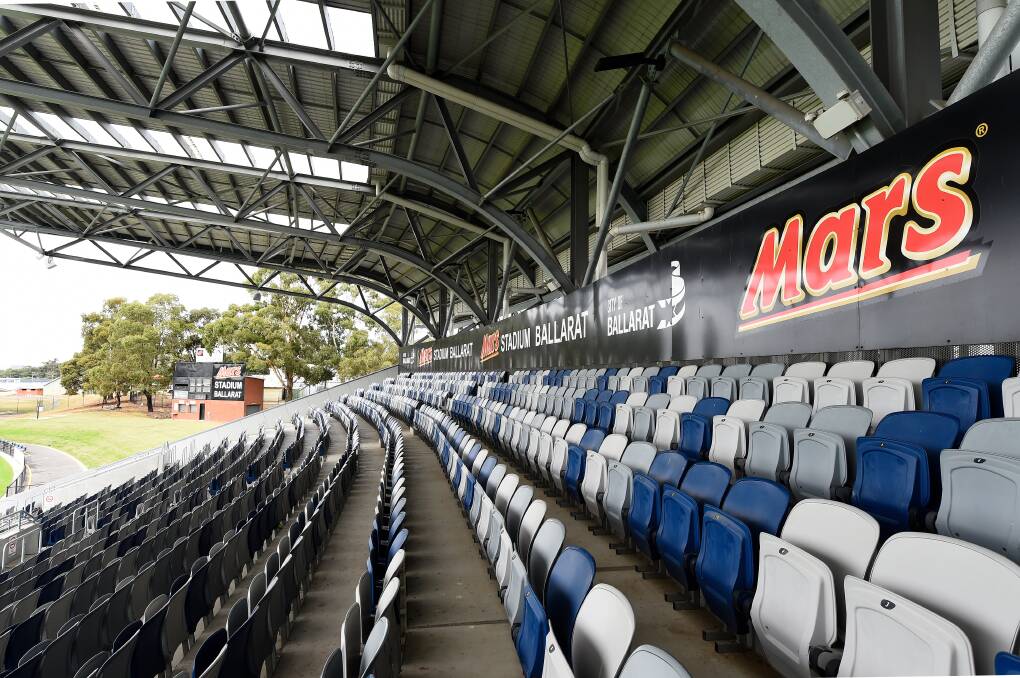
point(14, 455)
point(87, 482)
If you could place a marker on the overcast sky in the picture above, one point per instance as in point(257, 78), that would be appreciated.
point(40, 309)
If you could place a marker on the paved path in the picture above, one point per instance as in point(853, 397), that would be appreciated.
point(47, 465)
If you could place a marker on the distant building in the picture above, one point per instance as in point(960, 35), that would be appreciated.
point(214, 391)
point(32, 386)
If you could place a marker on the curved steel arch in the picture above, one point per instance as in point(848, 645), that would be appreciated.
point(227, 131)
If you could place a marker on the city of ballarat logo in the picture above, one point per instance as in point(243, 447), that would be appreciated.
point(677, 300)
point(490, 346)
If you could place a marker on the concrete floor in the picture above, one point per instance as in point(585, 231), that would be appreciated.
point(47, 465)
point(678, 632)
point(456, 622)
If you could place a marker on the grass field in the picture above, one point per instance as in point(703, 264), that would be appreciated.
point(6, 476)
point(98, 437)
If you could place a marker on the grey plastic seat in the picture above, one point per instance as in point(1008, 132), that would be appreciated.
point(619, 481)
point(758, 384)
point(843, 383)
point(642, 424)
point(639, 456)
point(657, 401)
point(897, 386)
point(699, 384)
point(514, 594)
point(769, 441)
point(350, 640)
point(981, 487)
point(530, 525)
point(505, 491)
point(375, 658)
point(648, 661)
point(794, 385)
point(636, 399)
point(593, 484)
point(545, 548)
point(683, 403)
point(494, 480)
point(824, 453)
point(603, 632)
point(667, 430)
point(518, 506)
point(1011, 397)
point(726, 385)
point(622, 417)
point(798, 600)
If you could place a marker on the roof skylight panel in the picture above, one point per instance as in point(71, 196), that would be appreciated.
point(231, 152)
point(96, 131)
point(351, 31)
point(57, 125)
point(325, 167)
point(304, 23)
point(299, 161)
point(167, 143)
point(352, 171)
point(150, 10)
point(132, 138)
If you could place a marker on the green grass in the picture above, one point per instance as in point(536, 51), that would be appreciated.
point(6, 476)
point(97, 438)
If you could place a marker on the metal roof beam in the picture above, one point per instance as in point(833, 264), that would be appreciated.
point(25, 35)
point(830, 64)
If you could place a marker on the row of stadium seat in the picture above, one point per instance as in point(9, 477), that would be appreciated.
point(734, 519)
point(131, 575)
point(562, 622)
point(372, 633)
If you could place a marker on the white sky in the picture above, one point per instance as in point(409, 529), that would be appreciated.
point(40, 309)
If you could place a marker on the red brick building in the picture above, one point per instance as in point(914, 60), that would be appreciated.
point(214, 392)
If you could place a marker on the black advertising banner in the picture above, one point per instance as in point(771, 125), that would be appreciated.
point(914, 242)
point(228, 381)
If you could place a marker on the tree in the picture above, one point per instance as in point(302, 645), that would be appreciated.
point(298, 337)
point(133, 346)
point(72, 375)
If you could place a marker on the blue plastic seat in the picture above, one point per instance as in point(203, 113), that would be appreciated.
point(970, 389)
point(1007, 664)
point(643, 519)
point(898, 467)
point(486, 469)
point(679, 536)
point(729, 538)
point(469, 495)
point(577, 411)
point(530, 641)
point(604, 416)
point(570, 579)
point(706, 482)
point(657, 384)
point(668, 468)
point(573, 472)
point(592, 439)
point(696, 427)
point(602, 381)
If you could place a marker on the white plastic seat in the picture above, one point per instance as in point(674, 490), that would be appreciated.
point(758, 385)
point(642, 424)
point(575, 433)
point(619, 482)
point(729, 433)
point(726, 384)
point(636, 399)
point(969, 585)
point(648, 661)
point(603, 631)
point(842, 384)
point(683, 403)
point(1011, 397)
point(769, 441)
point(593, 484)
point(890, 635)
point(659, 401)
point(613, 445)
point(897, 386)
point(639, 456)
point(557, 462)
point(676, 385)
point(798, 601)
point(622, 414)
point(505, 492)
point(560, 428)
point(794, 386)
point(532, 521)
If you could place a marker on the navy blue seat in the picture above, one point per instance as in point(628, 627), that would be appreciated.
point(592, 439)
point(604, 416)
point(729, 545)
point(1007, 664)
point(706, 482)
point(486, 469)
point(898, 467)
point(469, 495)
point(970, 389)
point(668, 468)
point(602, 381)
point(396, 544)
point(573, 471)
point(210, 650)
point(469, 458)
point(643, 519)
point(570, 579)
point(530, 641)
point(679, 536)
point(591, 407)
point(696, 427)
point(658, 383)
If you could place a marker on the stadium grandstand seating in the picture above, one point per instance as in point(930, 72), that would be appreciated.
point(757, 508)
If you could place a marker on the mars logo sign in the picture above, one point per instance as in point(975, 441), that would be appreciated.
point(229, 372)
point(847, 252)
point(490, 346)
point(425, 357)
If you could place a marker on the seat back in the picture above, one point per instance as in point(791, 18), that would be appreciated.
point(648, 661)
point(668, 468)
point(530, 641)
point(970, 586)
point(891, 635)
point(667, 430)
point(642, 424)
point(683, 403)
point(1011, 397)
point(725, 567)
point(613, 446)
point(619, 480)
point(760, 504)
point(842, 384)
point(570, 579)
point(706, 482)
point(530, 525)
point(897, 386)
point(643, 520)
point(603, 632)
point(545, 548)
point(758, 385)
point(824, 454)
point(639, 456)
point(794, 385)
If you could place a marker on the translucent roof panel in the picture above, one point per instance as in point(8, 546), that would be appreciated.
point(261, 156)
point(232, 153)
point(324, 167)
point(351, 31)
point(167, 143)
point(150, 10)
point(299, 161)
point(96, 131)
point(57, 124)
point(303, 23)
point(200, 148)
point(352, 171)
point(132, 139)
